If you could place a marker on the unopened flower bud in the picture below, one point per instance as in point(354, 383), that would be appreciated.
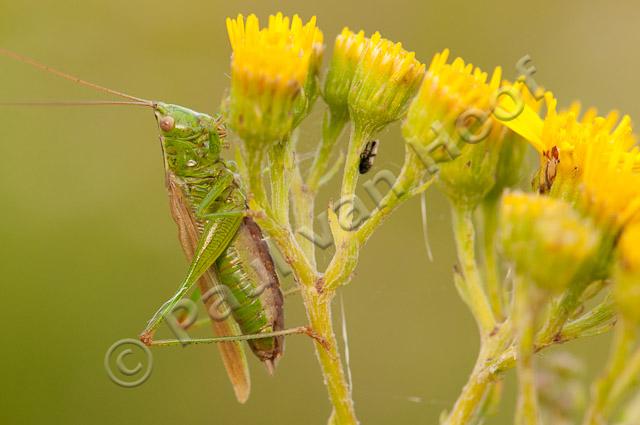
point(386, 79)
point(547, 240)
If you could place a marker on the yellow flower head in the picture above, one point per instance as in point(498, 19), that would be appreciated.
point(629, 248)
point(269, 68)
point(611, 186)
point(385, 80)
point(575, 136)
point(627, 273)
point(513, 149)
point(454, 98)
point(587, 159)
point(542, 230)
point(347, 50)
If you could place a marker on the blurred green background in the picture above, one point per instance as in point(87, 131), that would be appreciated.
point(88, 249)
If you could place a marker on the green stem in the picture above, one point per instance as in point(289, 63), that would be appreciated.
point(626, 380)
point(623, 341)
point(304, 193)
point(492, 273)
point(332, 128)
point(471, 396)
point(255, 159)
point(497, 356)
point(318, 308)
point(480, 379)
point(464, 232)
point(631, 413)
point(596, 322)
point(562, 309)
point(280, 168)
point(359, 137)
point(303, 204)
point(304, 272)
point(343, 263)
point(527, 411)
point(401, 191)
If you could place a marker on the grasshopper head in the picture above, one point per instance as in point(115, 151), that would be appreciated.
point(193, 137)
point(177, 122)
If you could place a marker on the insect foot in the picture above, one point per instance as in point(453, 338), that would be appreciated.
point(146, 338)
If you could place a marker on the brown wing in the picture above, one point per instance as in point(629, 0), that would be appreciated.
point(232, 353)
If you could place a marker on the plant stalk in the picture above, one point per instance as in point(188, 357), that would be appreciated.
point(280, 169)
point(332, 128)
point(524, 312)
point(480, 379)
point(464, 232)
point(318, 308)
point(359, 137)
point(495, 289)
point(624, 338)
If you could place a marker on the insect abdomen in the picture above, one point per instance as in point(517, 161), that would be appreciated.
point(247, 269)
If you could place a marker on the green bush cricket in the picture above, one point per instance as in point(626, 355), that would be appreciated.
point(229, 258)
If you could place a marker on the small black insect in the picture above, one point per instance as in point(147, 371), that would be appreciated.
point(367, 156)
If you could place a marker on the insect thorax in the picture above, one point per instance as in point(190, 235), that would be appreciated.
point(191, 157)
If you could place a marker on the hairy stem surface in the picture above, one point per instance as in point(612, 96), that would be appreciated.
point(623, 341)
point(464, 232)
point(318, 308)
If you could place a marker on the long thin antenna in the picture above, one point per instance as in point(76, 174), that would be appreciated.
point(43, 67)
point(76, 103)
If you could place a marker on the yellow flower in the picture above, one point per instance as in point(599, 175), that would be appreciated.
point(575, 137)
point(347, 50)
point(269, 68)
point(385, 80)
point(612, 186)
point(629, 249)
point(454, 103)
point(589, 160)
point(509, 169)
point(546, 238)
point(314, 42)
point(627, 273)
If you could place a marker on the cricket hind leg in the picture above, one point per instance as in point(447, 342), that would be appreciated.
point(216, 236)
point(218, 233)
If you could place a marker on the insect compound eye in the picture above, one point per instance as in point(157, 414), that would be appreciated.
point(167, 123)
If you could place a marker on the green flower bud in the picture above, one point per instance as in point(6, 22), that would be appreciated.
point(548, 241)
point(467, 179)
point(346, 54)
point(386, 79)
point(311, 89)
point(509, 170)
